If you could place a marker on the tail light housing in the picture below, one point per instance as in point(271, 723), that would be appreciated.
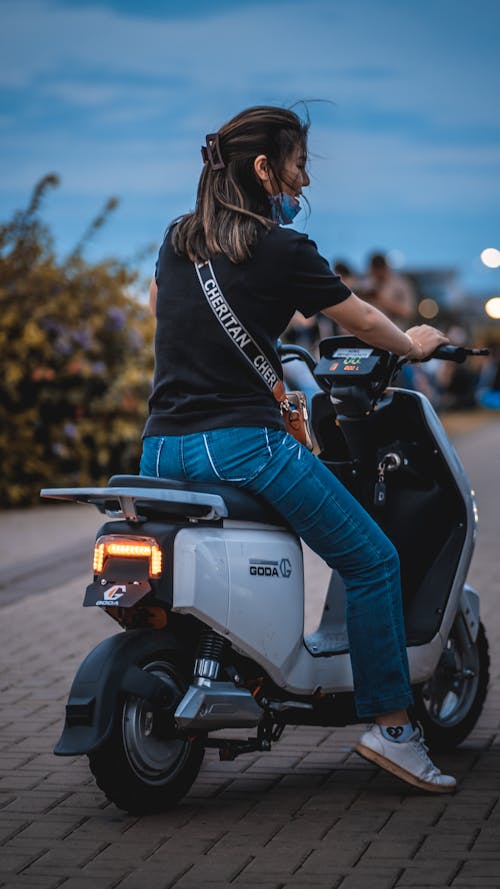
point(116, 546)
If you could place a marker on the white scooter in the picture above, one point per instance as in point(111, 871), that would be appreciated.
point(208, 583)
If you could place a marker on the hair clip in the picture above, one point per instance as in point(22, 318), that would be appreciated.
point(211, 152)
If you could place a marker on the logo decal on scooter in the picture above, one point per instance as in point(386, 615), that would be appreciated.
point(286, 567)
point(268, 568)
point(111, 596)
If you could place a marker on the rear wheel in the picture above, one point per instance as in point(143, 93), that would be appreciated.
point(146, 765)
point(449, 704)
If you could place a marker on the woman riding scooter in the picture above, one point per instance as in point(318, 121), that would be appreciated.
point(213, 418)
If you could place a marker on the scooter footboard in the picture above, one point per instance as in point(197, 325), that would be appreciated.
point(109, 671)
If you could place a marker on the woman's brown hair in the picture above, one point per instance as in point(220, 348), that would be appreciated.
point(231, 203)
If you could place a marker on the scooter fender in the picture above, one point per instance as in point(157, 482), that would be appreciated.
point(109, 671)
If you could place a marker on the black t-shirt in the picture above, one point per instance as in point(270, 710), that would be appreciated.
point(202, 381)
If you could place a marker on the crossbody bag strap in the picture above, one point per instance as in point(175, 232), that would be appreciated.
point(237, 331)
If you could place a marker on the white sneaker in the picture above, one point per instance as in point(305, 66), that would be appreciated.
point(408, 760)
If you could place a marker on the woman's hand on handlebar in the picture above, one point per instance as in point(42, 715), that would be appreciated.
point(425, 339)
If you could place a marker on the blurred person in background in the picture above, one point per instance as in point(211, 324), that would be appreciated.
point(389, 291)
point(346, 272)
point(351, 279)
point(396, 297)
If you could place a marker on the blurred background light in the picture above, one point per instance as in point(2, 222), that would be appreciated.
point(428, 308)
point(491, 257)
point(492, 307)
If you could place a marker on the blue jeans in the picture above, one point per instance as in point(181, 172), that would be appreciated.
point(330, 520)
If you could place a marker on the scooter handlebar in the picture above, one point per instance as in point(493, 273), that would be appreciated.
point(458, 354)
point(289, 351)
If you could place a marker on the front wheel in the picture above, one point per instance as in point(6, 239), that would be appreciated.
point(449, 704)
point(146, 766)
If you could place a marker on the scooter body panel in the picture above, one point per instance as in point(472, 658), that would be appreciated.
point(248, 584)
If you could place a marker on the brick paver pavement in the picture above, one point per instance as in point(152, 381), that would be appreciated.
point(309, 814)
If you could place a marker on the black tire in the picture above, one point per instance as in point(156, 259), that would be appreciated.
point(145, 766)
point(450, 703)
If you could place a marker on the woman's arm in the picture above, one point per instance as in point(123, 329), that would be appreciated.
point(373, 327)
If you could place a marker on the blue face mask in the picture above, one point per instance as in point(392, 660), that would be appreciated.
point(284, 208)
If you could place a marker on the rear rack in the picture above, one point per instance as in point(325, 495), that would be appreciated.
point(126, 502)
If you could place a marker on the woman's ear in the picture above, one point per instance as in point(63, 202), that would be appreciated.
point(261, 168)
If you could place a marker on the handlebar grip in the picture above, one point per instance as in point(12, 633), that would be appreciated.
point(458, 354)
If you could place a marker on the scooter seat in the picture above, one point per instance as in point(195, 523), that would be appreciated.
point(242, 505)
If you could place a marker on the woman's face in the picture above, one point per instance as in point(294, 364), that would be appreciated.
point(294, 176)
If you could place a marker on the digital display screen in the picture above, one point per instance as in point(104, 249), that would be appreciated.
point(352, 353)
point(350, 361)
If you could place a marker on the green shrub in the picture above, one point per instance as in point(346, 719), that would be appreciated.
point(76, 362)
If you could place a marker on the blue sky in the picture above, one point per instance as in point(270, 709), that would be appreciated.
point(116, 95)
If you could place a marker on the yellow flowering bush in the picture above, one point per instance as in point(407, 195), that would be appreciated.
point(76, 362)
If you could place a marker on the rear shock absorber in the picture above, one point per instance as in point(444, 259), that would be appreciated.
point(207, 665)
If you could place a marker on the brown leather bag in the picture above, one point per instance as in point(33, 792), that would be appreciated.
point(293, 409)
